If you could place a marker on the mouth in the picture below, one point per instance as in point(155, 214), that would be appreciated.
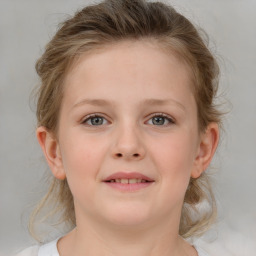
point(128, 182)
point(128, 178)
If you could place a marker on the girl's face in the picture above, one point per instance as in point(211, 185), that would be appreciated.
point(128, 139)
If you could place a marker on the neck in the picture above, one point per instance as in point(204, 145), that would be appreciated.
point(92, 239)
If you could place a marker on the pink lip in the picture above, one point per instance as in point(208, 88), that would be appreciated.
point(126, 175)
point(128, 187)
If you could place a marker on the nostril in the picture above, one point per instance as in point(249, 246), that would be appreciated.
point(134, 155)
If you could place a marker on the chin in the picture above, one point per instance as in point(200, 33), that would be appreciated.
point(127, 216)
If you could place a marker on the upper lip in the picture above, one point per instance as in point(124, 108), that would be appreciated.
point(128, 175)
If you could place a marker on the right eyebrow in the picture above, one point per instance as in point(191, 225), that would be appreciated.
point(94, 102)
point(148, 102)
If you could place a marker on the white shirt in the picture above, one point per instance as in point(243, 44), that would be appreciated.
point(50, 249)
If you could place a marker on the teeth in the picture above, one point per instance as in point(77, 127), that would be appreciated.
point(126, 181)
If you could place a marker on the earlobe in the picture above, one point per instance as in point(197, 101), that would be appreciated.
point(50, 147)
point(207, 147)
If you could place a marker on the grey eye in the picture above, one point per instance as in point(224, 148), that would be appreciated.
point(94, 121)
point(161, 120)
point(158, 120)
point(97, 120)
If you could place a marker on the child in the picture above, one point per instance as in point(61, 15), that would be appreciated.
point(128, 126)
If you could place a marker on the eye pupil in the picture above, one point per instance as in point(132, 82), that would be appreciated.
point(96, 120)
point(158, 120)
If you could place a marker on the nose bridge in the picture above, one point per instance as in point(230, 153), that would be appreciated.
point(128, 142)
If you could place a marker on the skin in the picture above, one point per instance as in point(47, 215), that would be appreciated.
point(144, 222)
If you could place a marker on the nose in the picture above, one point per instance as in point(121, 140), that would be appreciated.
point(128, 144)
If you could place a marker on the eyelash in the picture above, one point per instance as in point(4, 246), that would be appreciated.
point(170, 120)
point(91, 117)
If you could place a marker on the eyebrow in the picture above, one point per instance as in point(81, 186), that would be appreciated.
point(94, 102)
point(150, 102)
point(162, 102)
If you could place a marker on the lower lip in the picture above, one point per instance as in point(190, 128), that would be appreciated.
point(128, 187)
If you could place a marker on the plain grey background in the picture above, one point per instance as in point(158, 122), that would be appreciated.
point(27, 25)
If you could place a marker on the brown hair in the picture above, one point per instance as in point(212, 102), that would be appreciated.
point(109, 22)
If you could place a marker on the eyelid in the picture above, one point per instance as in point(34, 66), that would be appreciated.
point(169, 118)
point(88, 117)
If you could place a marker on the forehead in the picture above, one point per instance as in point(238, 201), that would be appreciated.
point(142, 54)
point(127, 76)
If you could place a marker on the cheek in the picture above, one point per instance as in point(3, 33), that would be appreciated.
point(174, 159)
point(82, 158)
point(81, 163)
point(174, 154)
point(81, 153)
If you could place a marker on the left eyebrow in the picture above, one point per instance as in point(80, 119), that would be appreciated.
point(162, 102)
point(150, 102)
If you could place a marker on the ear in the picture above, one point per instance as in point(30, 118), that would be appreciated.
point(207, 146)
point(51, 149)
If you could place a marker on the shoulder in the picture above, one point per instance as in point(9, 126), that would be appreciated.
point(201, 252)
point(212, 248)
point(31, 251)
point(49, 249)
